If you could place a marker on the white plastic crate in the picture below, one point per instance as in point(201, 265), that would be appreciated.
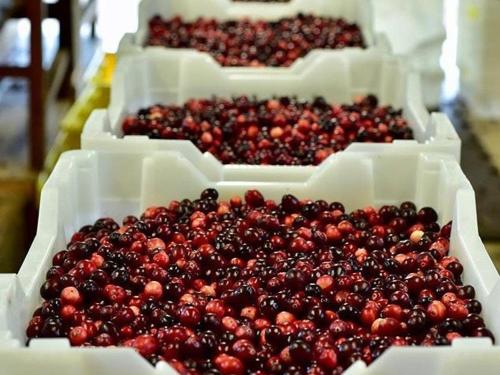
point(154, 77)
point(359, 11)
point(87, 185)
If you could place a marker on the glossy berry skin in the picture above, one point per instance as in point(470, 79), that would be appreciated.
point(281, 131)
point(229, 365)
point(244, 42)
point(252, 285)
point(78, 336)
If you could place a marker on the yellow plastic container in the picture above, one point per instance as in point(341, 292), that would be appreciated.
point(105, 72)
point(95, 95)
point(91, 98)
point(16, 198)
point(65, 141)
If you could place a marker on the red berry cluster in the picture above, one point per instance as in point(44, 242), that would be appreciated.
point(255, 43)
point(283, 131)
point(258, 286)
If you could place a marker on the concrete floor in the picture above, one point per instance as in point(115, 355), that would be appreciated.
point(488, 136)
point(481, 164)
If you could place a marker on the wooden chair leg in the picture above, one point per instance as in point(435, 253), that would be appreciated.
point(64, 13)
point(37, 92)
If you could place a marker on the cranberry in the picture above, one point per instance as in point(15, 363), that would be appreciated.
point(325, 283)
point(78, 336)
point(467, 291)
point(50, 289)
point(386, 327)
point(392, 311)
point(300, 352)
point(285, 318)
point(146, 345)
point(416, 323)
point(103, 339)
point(254, 198)
point(474, 306)
point(436, 311)
point(244, 350)
point(274, 336)
point(71, 296)
point(328, 359)
point(483, 332)
point(295, 279)
point(427, 215)
point(229, 365)
point(153, 289)
point(269, 306)
point(52, 327)
point(209, 194)
point(34, 327)
point(68, 312)
point(290, 204)
point(457, 310)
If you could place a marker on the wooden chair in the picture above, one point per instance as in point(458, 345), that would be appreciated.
point(47, 82)
point(33, 72)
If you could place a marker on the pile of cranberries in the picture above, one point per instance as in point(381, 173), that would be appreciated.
point(258, 286)
point(282, 131)
point(255, 43)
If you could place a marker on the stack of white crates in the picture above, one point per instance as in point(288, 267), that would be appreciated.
point(415, 30)
point(116, 175)
point(478, 56)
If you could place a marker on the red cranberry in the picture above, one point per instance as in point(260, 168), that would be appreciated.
point(254, 198)
point(189, 315)
point(427, 215)
point(34, 327)
point(51, 289)
point(328, 359)
point(457, 310)
point(153, 289)
point(229, 365)
point(300, 352)
point(483, 332)
point(295, 279)
point(78, 336)
point(244, 350)
point(436, 311)
point(146, 345)
point(285, 318)
point(68, 313)
point(386, 327)
point(392, 311)
point(103, 339)
point(325, 283)
point(71, 296)
point(416, 323)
